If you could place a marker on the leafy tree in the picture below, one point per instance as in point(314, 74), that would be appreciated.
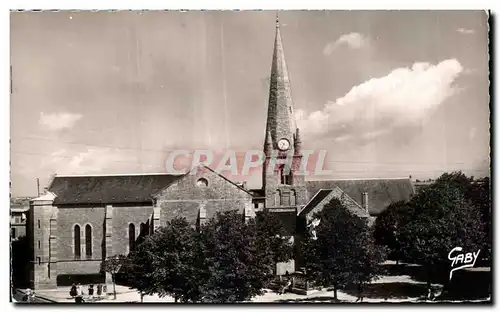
point(365, 260)
point(441, 219)
point(21, 252)
point(113, 265)
point(478, 192)
point(236, 272)
point(272, 238)
point(388, 227)
point(344, 250)
point(175, 253)
point(139, 270)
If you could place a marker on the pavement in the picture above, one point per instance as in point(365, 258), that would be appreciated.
point(123, 294)
point(409, 290)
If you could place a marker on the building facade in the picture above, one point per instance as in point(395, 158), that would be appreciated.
point(81, 220)
point(18, 216)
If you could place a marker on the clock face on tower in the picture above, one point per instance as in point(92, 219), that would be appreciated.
point(283, 144)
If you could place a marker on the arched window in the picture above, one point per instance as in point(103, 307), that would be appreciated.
point(282, 174)
point(131, 237)
point(293, 200)
point(285, 175)
point(88, 241)
point(76, 237)
point(143, 230)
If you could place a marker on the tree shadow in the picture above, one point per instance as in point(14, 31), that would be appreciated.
point(415, 271)
point(389, 290)
point(468, 285)
point(319, 299)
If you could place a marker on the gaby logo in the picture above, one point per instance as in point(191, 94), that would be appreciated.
point(461, 260)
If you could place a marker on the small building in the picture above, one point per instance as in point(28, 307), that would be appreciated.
point(18, 216)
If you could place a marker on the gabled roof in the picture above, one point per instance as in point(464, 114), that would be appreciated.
point(381, 192)
point(315, 200)
point(155, 193)
point(323, 197)
point(108, 189)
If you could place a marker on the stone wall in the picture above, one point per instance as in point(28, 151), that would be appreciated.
point(205, 189)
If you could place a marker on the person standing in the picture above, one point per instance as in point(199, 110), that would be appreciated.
point(72, 291)
point(91, 291)
point(79, 294)
point(99, 290)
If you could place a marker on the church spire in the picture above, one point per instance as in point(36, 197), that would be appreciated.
point(280, 117)
point(268, 146)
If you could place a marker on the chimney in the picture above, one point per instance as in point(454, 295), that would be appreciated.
point(364, 201)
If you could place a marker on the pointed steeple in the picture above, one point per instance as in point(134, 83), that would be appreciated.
point(268, 146)
point(280, 116)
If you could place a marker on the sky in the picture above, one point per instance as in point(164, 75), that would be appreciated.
point(385, 93)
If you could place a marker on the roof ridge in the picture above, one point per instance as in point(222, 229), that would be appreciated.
point(115, 175)
point(361, 179)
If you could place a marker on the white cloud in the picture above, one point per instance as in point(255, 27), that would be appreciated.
point(58, 121)
point(353, 41)
point(90, 161)
point(465, 31)
point(379, 106)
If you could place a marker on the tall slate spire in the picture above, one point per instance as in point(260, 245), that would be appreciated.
point(280, 117)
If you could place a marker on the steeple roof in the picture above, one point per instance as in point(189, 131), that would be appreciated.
point(280, 117)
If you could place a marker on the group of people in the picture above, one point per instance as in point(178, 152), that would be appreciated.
point(29, 296)
point(77, 293)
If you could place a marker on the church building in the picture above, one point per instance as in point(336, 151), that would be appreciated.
point(81, 220)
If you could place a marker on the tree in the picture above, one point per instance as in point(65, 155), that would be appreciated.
point(175, 253)
point(113, 265)
point(139, 270)
point(21, 252)
point(478, 192)
point(236, 272)
point(344, 250)
point(388, 227)
point(441, 219)
point(272, 238)
point(365, 260)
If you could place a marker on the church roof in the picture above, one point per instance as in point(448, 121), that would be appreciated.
point(108, 189)
point(323, 197)
point(381, 192)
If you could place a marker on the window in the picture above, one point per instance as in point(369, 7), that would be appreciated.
point(39, 260)
point(76, 237)
point(88, 241)
point(13, 232)
point(17, 219)
point(38, 223)
point(256, 205)
point(131, 237)
point(143, 229)
point(202, 182)
point(284, 177)
point(38, 244)
point(277, 199)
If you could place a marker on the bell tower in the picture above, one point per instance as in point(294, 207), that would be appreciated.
point(283, 184)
